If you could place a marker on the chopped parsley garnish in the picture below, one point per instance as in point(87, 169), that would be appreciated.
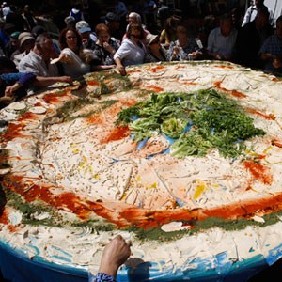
point(197, 121)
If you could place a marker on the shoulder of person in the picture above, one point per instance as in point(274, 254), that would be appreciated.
point(126, 41)
point(66, 51)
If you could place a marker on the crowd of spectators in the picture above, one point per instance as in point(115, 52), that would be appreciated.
point(123, 37)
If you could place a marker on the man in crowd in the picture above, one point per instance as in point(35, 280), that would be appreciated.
point(222, 40)
point(252, 11)
point(38, 61)
point(271, 50)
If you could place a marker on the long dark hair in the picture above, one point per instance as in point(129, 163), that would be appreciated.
point(136, 26)
point(63, 38)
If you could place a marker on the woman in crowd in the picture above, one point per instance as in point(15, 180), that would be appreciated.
point(105, 48)
point(185, 47)
point(156, 52)
point(73, 56)
point(168, 34)
point(132, 50)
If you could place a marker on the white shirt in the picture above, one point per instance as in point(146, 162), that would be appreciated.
point(252, 12)
point(34, 63)
point(130, 54)
point(76, 67)
point(222, 45)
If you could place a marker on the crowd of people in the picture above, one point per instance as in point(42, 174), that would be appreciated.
point(31, 58)
point(122, 39)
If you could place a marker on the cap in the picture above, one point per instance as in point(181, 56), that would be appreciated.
point(69, 20)
point(150, 38)
point(15, 35)
point(111, 17)
point(82, 27)
point(25, 36)
point(37, 30)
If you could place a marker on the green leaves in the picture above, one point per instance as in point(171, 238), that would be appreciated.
point(215, 121)
point(173, 127)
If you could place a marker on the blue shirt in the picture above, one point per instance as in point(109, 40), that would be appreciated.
point(272, 45)
point(23, 78)
point(101, 277)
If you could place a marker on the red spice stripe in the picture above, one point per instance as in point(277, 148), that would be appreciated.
point(124, 215)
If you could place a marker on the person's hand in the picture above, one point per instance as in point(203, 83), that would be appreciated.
point(218, 57)
point(6, 99)
point(277, 62)
point(114, 254)
point(9, 91)
point(65, 79)
point(121, 69)
point(64, 58)
point(109, 48)
point(176, 51)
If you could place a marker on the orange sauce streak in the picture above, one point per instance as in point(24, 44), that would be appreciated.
point(51, 98)
point(261, 157)
point(259, 172)
point(116, 134)
point(256, 112)
point(12, 228)
point(224, 67)
point(133, 216)
point(157, 68)
point(54, 97)
point(155, 88)
point(63, 201)
point(14, 130)
point(189, 83)
point(129, 102)
point(27, 115)
point(233, 92)
point(277, 143)
point(236, 93)
point(4, 217)
point(94, 120)
point(113, 110)
point(92, 83)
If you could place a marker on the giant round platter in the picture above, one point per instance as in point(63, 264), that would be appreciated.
point(184, 159)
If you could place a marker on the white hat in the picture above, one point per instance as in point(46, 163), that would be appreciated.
point(25, 36)
point(150, 38)
point(82, 27)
